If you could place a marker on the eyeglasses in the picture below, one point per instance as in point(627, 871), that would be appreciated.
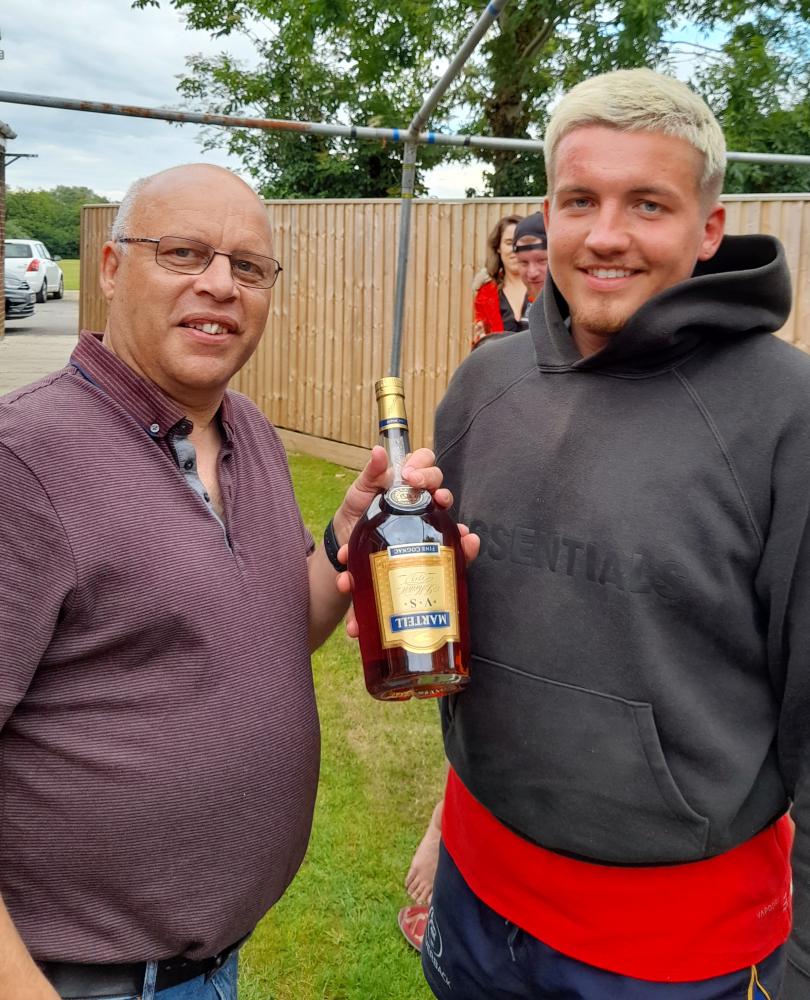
point(184, 256)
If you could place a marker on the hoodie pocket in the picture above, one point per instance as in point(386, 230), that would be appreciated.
point(572, 769)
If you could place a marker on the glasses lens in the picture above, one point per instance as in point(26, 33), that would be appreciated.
point(176, 253)
point(254, 269)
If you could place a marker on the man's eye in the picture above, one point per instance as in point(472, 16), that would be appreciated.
point(650, 207)
point(248, 267)
point(185, 254)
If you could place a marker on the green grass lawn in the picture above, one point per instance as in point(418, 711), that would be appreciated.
point(334, 936)
point(70, 269)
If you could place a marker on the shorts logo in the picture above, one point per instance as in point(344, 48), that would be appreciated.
point(434, 938)
point(433, 947)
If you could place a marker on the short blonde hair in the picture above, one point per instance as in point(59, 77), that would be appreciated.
point(641, 100)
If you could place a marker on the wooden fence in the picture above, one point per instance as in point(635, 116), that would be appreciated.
point(328, 336)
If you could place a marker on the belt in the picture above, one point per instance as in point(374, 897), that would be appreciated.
point(77, 979)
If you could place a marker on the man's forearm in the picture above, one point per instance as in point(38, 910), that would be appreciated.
point(20, 979)
point(326, 604)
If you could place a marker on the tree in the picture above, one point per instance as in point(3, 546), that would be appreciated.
point(54, 216)
point(372, 64)
point(760, 93)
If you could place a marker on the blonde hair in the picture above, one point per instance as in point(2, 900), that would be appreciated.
point(641, 100)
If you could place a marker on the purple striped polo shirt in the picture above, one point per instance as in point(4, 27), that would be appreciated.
point(159, 747)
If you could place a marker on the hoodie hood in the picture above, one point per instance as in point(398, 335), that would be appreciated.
point(743, 290)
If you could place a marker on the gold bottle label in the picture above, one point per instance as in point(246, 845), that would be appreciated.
point(415, 592)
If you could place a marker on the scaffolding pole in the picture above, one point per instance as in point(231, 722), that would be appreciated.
point(480, 28)
point(340, 131)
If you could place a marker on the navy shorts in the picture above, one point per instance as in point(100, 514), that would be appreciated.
point(471, 953)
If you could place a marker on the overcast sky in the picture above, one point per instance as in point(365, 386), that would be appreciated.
point(102, 50)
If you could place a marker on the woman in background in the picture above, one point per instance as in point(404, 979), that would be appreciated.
point(500, 301)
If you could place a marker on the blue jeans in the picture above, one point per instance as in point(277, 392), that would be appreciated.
point(221, 985)
point(471, 953)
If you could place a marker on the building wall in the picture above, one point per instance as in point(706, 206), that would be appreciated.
point(328, 335)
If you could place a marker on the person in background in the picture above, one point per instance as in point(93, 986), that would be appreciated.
point(615, 819)
point(531, 249)
point(499, 295)
point(159, 600)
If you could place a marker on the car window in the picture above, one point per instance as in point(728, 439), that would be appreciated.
point(17, 250)
point(42, 250)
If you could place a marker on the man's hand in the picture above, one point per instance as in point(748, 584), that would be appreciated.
point(419, 472)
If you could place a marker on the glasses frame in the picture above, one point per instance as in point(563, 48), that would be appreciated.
point(214, 253)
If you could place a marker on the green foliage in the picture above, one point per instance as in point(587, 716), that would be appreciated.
point(50, 216)
point(759, 90)
point(334, 932)
point(373, 63)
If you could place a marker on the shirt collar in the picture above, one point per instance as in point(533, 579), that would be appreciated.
point(146, 402)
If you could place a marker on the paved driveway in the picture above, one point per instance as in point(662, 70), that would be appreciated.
point(40, 344)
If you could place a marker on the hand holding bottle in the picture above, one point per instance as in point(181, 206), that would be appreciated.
point(420, 472)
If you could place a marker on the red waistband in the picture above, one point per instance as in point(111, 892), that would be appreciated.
point(670, 923)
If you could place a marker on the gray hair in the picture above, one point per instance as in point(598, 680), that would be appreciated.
point(641, 100)
point(120, 226)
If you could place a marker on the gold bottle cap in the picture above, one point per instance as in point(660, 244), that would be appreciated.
point(389, 386)
point(391, 403)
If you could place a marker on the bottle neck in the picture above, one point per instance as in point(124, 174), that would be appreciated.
point(399, 497)
point(397, 444)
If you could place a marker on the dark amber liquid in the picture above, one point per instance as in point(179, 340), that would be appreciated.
point(397, 674)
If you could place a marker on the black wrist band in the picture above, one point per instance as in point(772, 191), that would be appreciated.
point(331, 546)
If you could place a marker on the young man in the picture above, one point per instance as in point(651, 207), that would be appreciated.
point(159, 598)
point(638, 468)
point(531, 249)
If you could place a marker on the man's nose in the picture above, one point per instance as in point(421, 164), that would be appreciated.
point(608, 232)
point(217, 279)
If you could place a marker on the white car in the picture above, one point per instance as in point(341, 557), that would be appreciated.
point(31, 261)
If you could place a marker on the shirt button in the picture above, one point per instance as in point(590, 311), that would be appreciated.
point(189, 463)
point(154, 429)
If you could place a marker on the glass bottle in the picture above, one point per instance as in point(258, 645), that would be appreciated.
point(408, 569)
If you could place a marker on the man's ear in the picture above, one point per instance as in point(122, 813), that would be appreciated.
point(546, 204)
point(108, 269)
point(713, 230)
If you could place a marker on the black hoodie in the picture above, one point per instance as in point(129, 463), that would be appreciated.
point(640, 610)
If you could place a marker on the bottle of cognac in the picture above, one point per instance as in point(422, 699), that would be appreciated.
point(410, 591)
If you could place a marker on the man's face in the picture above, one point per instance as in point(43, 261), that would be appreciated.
point(624, 221)
point(156, 316)
point(533, 265)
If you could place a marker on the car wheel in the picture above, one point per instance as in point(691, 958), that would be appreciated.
point(42, 294)
point(60, 291)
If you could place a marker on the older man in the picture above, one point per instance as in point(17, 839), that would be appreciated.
point(159, 598)
point(638, 467)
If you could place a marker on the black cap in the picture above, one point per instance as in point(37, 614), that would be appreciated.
point(533, 225)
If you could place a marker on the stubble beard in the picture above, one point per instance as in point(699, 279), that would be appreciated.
point(599, 321)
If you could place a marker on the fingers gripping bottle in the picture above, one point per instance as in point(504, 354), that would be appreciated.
point(410, 591)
